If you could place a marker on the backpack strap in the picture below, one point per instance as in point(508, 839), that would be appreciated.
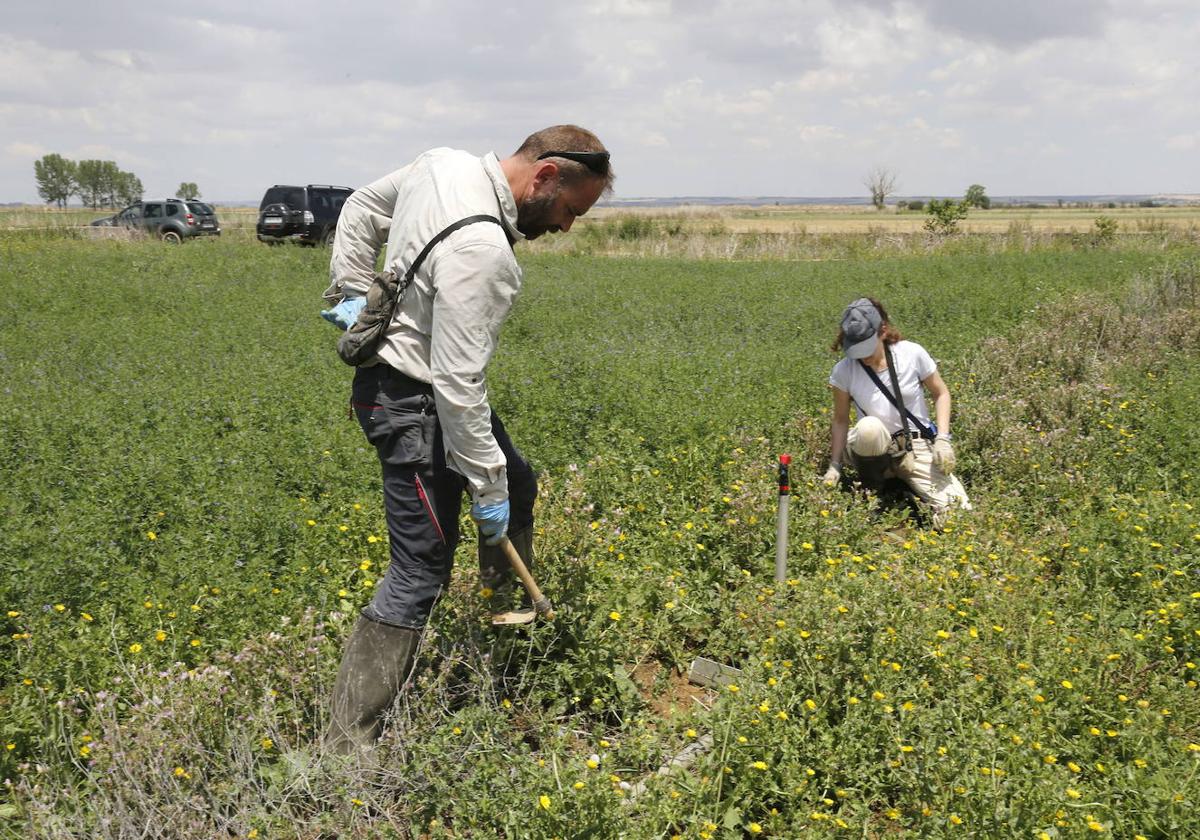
point(442, 234)
point(924, 430)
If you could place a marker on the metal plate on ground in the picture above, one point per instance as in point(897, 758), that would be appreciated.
point(711, 674)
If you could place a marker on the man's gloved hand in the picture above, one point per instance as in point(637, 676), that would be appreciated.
point(832, 475)
point(943, 455)
point(345, 313)
point(492, 521)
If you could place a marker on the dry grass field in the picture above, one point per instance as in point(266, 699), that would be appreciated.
point(792, 219)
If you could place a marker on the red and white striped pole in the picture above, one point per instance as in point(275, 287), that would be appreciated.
point(781, 524)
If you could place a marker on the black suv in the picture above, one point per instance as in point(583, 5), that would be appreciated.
point(307, 215)
point(172, 219)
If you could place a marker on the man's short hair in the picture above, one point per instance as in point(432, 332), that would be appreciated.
point(568, 138)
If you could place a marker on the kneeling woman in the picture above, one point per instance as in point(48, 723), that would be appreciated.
point(877, 363)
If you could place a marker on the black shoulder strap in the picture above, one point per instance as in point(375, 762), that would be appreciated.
point(904, 412)
point(461, 223)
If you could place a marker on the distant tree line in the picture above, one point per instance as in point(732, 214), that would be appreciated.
point(98, 183)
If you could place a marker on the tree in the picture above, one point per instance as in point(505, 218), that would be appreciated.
point(187, 191)
point(110, 181)
point(882, 183)
point(55, 178)
point(944, 216)
point(89, 182)
point(977, 197)
point(129, 189)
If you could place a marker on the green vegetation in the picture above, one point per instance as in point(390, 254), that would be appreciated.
point(191, 521)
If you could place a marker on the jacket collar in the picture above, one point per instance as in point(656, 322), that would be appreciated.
point(504, 195)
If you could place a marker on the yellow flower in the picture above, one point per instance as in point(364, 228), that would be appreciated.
point(86, 616)
point(150, 535)
point(266, 743)
point(782, 715)
point(691, 733)
point(364, 565)
point(733, 688)
point(955, 819)
point(754, 828)
point(194, 643)
point(180, 773)
point(1073, 794)
point(59, 607)
point(810, 704)
point(544, 801)
point(135, 648)
point(312, 522)
point(578, 786)
point(372, 539)
point(85, 751)
point(614, 615)
point(759, 765)
point(160, 636)
point(1067, 684)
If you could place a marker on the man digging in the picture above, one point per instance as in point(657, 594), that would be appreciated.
point(422, 397)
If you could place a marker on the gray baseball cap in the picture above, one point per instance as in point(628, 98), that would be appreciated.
point(860, 329)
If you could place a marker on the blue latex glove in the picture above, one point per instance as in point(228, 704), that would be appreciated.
point(345, 313)
point(492, 521)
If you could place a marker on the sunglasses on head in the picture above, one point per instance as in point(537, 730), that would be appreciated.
point(597, 162)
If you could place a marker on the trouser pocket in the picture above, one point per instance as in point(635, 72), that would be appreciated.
point(401, 430)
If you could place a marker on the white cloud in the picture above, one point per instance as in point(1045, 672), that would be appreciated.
point(705, 96)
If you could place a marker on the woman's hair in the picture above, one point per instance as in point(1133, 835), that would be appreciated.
point(887, 332)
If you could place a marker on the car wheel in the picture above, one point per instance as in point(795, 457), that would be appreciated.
point(171, 237)
point(327, 239)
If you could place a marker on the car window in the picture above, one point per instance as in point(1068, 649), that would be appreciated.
point(172, 209)
point(320, 204)
point(291, 196)
point(130, 213)
point(153, 211)
point(199, 208)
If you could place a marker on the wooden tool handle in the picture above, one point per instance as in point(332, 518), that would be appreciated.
point(540, 602)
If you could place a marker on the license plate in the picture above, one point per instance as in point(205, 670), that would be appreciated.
point(207, 224)
point(272, 220)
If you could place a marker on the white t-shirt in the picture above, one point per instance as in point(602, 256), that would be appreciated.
point(913, 364)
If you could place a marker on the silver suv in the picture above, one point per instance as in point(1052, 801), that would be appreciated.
point(171, 220)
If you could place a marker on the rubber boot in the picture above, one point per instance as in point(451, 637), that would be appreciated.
point(496, 573)
point(375, 664)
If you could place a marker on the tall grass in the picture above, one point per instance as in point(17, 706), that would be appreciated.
point(191, 522)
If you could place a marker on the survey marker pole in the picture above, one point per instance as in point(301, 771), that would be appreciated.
point(781, 524)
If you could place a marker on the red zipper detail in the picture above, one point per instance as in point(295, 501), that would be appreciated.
point(428, 508)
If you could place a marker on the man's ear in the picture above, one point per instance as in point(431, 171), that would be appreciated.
point(545, 175)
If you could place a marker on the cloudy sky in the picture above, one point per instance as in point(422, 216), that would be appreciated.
point(704, 97)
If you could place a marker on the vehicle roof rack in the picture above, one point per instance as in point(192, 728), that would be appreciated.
point(329, 187)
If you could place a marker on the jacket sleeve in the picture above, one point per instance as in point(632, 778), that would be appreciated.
point(474, 288)
point(362, 232)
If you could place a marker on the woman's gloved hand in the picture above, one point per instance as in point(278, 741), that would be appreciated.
point(832, 475)
point(943, 455)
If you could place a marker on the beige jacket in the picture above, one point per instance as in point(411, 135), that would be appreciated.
point(448, 324)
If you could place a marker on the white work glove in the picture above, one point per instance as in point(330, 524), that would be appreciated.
point(832, 475)
point(943, 455)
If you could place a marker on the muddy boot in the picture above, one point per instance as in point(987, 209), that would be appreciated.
point(377, 660)
point(496, 574)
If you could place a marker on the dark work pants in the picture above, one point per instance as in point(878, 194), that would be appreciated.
point(422, 496)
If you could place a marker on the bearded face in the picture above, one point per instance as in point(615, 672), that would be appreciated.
point(536, 214)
